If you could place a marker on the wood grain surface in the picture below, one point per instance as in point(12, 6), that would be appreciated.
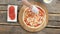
point(53, 26)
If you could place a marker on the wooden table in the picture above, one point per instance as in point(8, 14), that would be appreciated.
point(53, 26)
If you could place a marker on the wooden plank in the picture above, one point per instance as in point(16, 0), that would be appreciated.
point(3, 8)
point(3, 2)
point(16, 2)
point(54, 7)
point(52, 31)
point(19, 30)
point(10, 1)
point(51, 26)
point(1, 12)
point(10, 24)
point(53, 23)
point(54, 17)
point(3, 16)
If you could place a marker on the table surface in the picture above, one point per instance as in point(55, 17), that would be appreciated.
point(53, 26)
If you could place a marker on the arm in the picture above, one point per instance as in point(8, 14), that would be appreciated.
point(33, 8)
point(25, 2)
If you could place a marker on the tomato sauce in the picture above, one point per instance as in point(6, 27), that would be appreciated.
point(12, 12)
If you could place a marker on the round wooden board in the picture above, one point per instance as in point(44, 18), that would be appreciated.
point(20, 18)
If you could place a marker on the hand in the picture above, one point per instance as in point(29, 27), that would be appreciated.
point(35, 9)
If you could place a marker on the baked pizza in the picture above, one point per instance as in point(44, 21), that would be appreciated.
point(33, 20)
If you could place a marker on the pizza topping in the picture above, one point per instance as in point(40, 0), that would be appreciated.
point(12, 12)
point(32, 19)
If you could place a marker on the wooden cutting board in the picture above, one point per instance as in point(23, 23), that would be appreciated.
point(20, 18)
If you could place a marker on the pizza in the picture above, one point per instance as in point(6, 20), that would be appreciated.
point(33, 20)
